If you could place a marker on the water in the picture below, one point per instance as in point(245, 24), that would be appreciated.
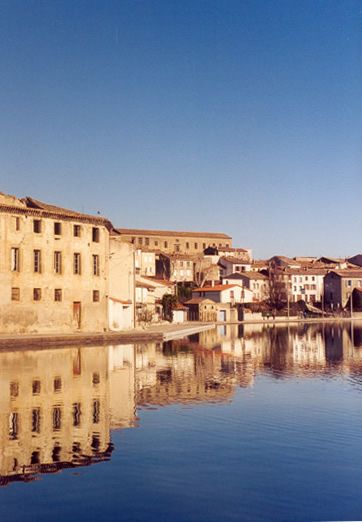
point(238, 423)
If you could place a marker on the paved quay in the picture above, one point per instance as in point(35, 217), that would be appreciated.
point(157, 333)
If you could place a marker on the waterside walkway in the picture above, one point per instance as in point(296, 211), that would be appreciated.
point(156, 333)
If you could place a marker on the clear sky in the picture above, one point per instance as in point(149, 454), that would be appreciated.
point(242, 117)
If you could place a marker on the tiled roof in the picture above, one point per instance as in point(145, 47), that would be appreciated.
point(174, 233)
point(216, 288)
point(38, 208)
point(352, 274)
point(198, 300)
point(235, 260)
point(247, 274)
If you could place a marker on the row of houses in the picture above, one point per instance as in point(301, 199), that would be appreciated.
point(62, 270)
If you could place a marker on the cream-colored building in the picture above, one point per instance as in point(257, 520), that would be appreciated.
point(122, 289)
point(53, 268)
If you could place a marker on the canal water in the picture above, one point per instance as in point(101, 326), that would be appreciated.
point(237, 423)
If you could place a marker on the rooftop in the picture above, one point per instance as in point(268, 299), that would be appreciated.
point(216, 288)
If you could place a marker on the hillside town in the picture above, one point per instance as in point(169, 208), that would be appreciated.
point(66, 271)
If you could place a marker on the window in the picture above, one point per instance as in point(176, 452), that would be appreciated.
point(156, 243)
point(58, 262)
point(187, 245)
point(196, 246)
point(204, 245)
point(95, 235)
point(14, 389)
point(37, 226)
point(17, 223)
point(95, 265)
point(76, 230)
point(95, 296)
point(15, 260)
point(177, 248)
point(140, 241)
point(57, 384)
point(35, 420)
point(57, 229)
point(181, 263)
point(13, 425)
point(37, 294)
point(57, 418)
point(147, 241)
point(76, 263)
point(36, 387)
point(76, 414)
point(96, 378)
point(165, 244)
point(96, 411)
point(15, 294)
point(37, 261)
point(58, 294)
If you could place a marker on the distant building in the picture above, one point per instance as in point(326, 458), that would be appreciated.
point(256, 282)
point(174, 242)
point(230, 265)
point(232, 293)
point(339, 285)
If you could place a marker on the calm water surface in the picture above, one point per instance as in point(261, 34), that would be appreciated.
point(238, 423)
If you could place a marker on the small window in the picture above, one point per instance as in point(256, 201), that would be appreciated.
point(57, 418)
point(58, 294)
point(57, 384)
point(196, 246)
point(14, 389)
point(17, 223)
point(95, 296)
point(204, 245)
point(35, 420)
point(76, 230)
point(15, 260)
point(57, 229)
point(140, 241)
point(58, 262)
point(36, 386)
point(147, 241)
point(13, 425)
point(76, 414)
point(37, 226)
point(96, 411)
point(187, 245)
point(37, 261)
point(76, 264)
point(15, 294)
point(156, 243)
point(95, 234)
point(165, 244)
point(95, 265)
point(37, 294)
point(96, 378)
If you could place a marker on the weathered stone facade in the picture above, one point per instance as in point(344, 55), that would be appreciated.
point(53, 268)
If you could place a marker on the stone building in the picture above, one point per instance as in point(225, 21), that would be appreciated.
point(170, 242)
point(54, 267)
point(339, 285)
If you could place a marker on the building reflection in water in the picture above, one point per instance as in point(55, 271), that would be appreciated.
point(58, 406)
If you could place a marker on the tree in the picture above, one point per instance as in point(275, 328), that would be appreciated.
point(168, 304)
point(278, 287)
point(203, 270)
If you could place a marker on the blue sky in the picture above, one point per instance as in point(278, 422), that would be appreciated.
point(240, 117)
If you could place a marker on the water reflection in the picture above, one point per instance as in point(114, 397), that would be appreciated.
point(58, 406)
